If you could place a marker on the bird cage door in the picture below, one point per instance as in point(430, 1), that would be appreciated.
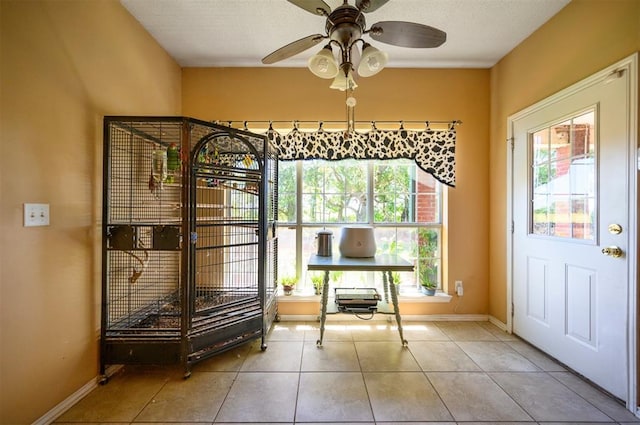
point(226, 211)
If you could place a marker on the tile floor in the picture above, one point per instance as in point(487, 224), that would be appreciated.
point(451, 372)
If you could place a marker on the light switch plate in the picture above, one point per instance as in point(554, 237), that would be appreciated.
point(36, 215)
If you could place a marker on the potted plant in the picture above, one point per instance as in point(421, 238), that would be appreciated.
point(318, 281)
point(427, 263)
point(429, 287)
point(428, 279)
point(288, 282)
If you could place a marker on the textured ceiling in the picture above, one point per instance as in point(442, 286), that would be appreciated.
point(239, 33)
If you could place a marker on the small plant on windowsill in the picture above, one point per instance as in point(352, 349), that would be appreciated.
point(429, 288)
point(427, 250)
point(318, 281)
point(428, 279)
point(288, 283)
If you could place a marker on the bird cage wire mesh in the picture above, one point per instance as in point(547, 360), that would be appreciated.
point(189, 243)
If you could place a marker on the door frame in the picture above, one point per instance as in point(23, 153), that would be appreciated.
point(630, 66)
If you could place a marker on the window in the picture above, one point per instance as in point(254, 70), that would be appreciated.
point(402, 203)
point(563, 167)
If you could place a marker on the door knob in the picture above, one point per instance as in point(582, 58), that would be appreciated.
point(612, 251)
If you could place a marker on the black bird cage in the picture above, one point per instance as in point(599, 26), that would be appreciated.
point(189, 249)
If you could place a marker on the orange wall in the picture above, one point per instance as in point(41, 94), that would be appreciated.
point(583, 38)
point(394, 94)
point(64, 64)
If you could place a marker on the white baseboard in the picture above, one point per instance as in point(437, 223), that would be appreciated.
point(388, 318)
point(70, 401)
point(498, 323)
point(446, 318)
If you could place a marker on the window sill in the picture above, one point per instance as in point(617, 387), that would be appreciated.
point(439, 297)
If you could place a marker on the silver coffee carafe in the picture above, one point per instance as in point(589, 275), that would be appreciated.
point(324, 239)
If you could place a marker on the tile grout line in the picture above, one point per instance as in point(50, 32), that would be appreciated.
point(578, 394)
point(295, 406)
point(364, 381)
point(484, 372)
point(426, 375)
point(148, 403)
point(235, 379)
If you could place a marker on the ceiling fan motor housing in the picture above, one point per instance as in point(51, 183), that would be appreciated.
point(345, 25)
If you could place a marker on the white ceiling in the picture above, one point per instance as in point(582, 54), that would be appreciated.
point(239, 33)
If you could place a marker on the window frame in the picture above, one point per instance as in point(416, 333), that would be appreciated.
point(299, 226)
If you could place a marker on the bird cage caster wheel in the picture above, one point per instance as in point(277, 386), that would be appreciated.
point(104, 379)
point(187, 374)
point(405, 343)
point(263, 347)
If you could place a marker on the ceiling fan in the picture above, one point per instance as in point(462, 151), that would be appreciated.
point(345, 26)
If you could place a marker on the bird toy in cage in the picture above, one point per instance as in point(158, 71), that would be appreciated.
point(210, 156)
point(139, 268)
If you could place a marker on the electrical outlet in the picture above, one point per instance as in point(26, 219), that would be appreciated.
point(458, 286)
point(36, 215)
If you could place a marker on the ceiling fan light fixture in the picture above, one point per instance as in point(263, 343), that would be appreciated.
point(323, 64)
point(372, 61)
point(344, 81)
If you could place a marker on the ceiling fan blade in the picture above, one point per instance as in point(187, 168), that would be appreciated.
point(293, 48)
point(407, 34)
point(370, 5)
point(313, 6)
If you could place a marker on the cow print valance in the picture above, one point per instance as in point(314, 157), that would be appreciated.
point(432, 150)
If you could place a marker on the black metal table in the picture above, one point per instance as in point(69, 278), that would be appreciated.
point(384, 263)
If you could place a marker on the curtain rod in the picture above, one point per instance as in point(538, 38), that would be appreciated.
point(454, 122)
point(371, 123)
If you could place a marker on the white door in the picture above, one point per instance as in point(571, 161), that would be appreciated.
point(570, 200)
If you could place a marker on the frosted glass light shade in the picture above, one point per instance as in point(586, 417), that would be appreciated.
point(343, 82)
point(323, 64)
point(372, 61)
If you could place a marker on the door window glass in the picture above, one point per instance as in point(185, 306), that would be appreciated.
point(563, 170)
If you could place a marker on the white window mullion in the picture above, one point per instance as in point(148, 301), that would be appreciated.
point(370, 193)
point(299, 205)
